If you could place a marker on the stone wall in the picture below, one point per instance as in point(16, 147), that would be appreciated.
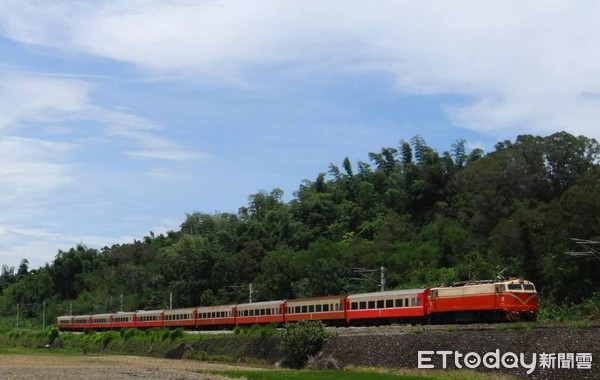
point(401, 350)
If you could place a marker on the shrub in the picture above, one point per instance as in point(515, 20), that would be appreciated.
point(177, 333)
point(302, 340)
point(52, 335)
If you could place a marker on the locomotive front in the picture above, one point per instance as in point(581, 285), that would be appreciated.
point(518, 299)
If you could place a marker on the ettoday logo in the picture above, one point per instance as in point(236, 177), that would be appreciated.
point(472, 360)
point(497, 360)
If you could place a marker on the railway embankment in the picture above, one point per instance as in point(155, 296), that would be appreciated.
point(534, 351)
point(524, 351)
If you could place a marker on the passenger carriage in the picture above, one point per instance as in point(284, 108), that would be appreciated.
point(101, 321)
point(329, 309)
point(149, 318)
point(392, 306)
point(216, 316)
point(81, 322)
point(181, 318)
point(123, 319)
point(64, 322)
point(260, 312)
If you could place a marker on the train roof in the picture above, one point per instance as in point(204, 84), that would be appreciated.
point(324, 298)
point(177, 311)
point(102, 315)
point(145, 312)
point(388, 293)
point(202, 309)
point(258, 305)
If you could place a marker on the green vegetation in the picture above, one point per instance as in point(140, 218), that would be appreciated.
point(152, 342)
point(302, 340)
point(427, 217)
point(359, 374)
point(317, 375)
point(526, 326)
point(205, 357)
point(262, 331)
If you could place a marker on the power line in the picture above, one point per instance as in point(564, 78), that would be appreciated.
point(589, 248)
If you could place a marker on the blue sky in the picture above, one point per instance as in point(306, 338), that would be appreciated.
point(117, 117)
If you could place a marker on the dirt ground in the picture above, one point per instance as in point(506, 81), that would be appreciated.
point(50, 367)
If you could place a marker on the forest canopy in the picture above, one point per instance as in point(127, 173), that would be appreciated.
point(428, 218)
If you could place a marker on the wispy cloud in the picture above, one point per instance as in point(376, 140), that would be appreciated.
point(34, 97)
point(30, 169)
point(522, 69)
point(148, 141)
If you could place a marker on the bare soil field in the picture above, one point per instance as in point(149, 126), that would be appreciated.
point(50, 367)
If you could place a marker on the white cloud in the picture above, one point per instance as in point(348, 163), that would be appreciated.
point(39, 246)
point(30, 169)
point(148, 142)
point(524, 65)
point(34, 97)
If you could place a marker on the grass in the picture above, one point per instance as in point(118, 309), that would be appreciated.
point(526, 326)
point(359, 373)
point(316, 375)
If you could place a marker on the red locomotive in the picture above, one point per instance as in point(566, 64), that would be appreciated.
point(484, 301)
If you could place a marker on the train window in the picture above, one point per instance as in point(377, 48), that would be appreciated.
point(269, 311)
point(399, 302)
point(251, 313)
point(380, 304)
point(529, 287)
point(412, 302)
point(389, 303)
point(499, 288)
point(406, 302)
point(311, 308)
point(362, 305)
point(297, 309)
point(304, 308)
point(371, 304)
point(354, 306)
point(418, 302)
point(514, 287)
point(318, 308)
point(263, 312)
point(326, 307)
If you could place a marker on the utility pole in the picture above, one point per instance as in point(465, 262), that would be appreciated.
point(250, 291)
point(382, 279)
point(170, 301)
point(121, 296)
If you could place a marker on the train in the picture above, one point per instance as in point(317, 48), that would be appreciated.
point(466, 302)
